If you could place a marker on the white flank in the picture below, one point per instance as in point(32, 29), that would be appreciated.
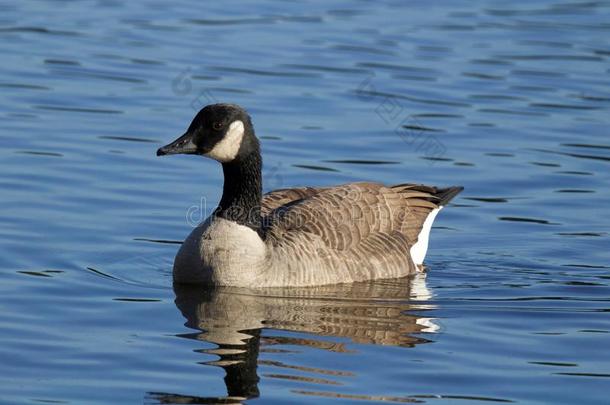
point(227, 148)
point(418, 251)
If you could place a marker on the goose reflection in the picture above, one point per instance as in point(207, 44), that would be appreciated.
point(376, 312)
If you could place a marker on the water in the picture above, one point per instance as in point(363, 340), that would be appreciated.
point(510, 101)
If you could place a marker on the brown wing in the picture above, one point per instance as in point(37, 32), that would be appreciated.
point(277, 198)
point(352, 215)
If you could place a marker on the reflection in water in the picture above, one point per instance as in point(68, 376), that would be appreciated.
point(232, 318)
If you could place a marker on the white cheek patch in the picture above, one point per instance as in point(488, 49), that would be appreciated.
point(227, 148)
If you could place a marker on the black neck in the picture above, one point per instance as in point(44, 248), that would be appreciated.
point(242, 190)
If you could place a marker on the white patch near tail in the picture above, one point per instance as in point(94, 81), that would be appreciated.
point(418, 251)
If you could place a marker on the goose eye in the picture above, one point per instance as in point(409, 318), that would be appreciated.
point(217, 125)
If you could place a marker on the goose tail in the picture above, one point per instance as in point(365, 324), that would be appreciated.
point(445, 195)
point(420, 248)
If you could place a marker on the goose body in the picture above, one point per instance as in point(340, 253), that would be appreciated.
point(300, 236)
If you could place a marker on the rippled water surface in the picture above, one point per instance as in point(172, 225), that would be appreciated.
point(509, 99)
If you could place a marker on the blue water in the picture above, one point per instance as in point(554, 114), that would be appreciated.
point(510, 100)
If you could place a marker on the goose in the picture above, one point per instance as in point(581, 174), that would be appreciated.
point(296, 237)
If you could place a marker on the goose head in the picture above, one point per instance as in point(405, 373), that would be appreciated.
point(222, 132)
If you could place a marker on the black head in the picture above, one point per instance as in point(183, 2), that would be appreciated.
point(222, 132)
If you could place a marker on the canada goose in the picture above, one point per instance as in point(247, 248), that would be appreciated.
point(301, 236)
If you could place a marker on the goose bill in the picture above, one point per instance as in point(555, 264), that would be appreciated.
point(184, 145)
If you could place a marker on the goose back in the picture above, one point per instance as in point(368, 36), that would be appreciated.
point(352, 232)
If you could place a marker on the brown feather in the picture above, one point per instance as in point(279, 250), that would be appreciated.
point(342, 216)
